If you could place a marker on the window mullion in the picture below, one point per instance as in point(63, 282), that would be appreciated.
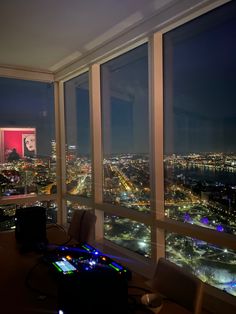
point(156, 138)
point(97, 168)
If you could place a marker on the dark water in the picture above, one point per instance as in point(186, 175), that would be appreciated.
point(202, 174)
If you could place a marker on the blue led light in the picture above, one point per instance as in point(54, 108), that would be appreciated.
point(219, 228)
point(117, 265)
point(205, 220)
point(88, 247)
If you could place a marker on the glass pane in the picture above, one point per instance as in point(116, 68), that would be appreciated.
point(129, 234)
point(125, 126)
point(7, 213)
point(27, 138)
point(7, 217)
point(212, 264)
point(200, 121)
point(78, 147)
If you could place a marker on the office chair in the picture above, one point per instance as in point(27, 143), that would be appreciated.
point(81, 228)
point(175, 284)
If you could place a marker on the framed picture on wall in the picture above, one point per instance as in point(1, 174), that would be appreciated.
point(18, 142)
point(29, 145)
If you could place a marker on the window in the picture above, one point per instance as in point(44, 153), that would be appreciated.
point(200, 149)
point(212, 264)
point(27, 138)
point(200, 119)
point(125, 130)
point(128, 234)
point(78, 147)
point(27, 135)
point(7, 213)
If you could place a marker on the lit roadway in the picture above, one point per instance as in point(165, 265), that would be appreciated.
point(213, 257)
point(80, 185)
point(128, 186)
point(47, 189)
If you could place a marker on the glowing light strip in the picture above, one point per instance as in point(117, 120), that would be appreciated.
point(57, 267)
point(112, 266)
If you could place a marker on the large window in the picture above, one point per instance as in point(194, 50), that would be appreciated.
point(200, 120)
point(129, 234)
point(125, 126)
point(212, 264)
point(200, 147)
point(27, 144)
point(78, 148)
point(27, 136)
point(27, 159)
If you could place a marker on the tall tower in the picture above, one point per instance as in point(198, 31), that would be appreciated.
point(53, 144)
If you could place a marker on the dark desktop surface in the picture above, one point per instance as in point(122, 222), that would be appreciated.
point(29, 284)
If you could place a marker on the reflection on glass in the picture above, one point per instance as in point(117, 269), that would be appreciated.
point(212, 264)
point(27, 138)
point(129, 234)
point(200, 119)
point(78, 147)
point(125, 127)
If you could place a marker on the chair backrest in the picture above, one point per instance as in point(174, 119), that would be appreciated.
point(178, 285)
point(82, 225)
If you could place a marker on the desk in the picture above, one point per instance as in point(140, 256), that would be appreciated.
point(16, 297)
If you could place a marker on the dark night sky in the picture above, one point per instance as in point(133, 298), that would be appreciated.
point(201, 85)
point(124, 84)
point(28, 104)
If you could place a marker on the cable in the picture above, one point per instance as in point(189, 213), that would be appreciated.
point(30, 287)
point(57, 226)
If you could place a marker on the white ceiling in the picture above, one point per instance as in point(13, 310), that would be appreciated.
point(47, 34)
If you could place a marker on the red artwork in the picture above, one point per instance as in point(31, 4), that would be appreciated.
point(16, 143)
